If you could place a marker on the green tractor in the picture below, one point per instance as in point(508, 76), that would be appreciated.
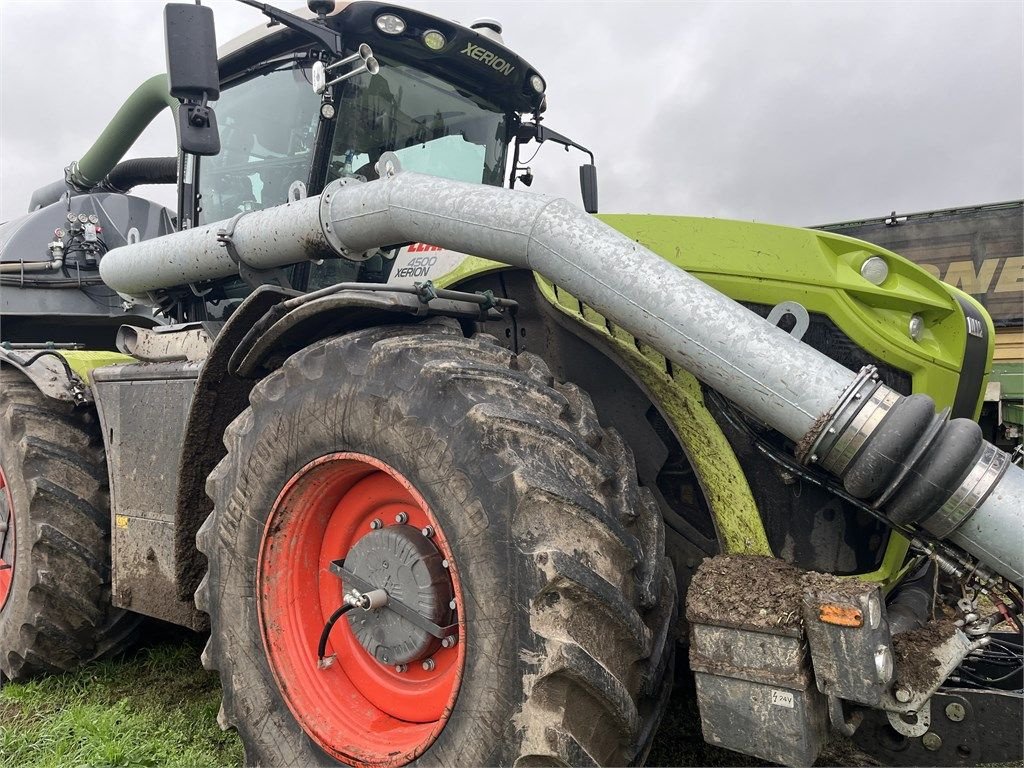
point(435, 461)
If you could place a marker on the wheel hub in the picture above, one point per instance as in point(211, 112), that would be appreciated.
point(404, 563)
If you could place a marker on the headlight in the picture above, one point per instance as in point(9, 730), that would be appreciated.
point(916, 328)
point(537, 82)
point(874, 270)
point(434, 40)
point(390, 24)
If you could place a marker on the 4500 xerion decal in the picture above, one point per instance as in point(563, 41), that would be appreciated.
point(420, 262)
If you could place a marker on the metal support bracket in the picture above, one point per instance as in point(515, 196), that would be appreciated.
point(407, 613)
point(254, 278)
point(798, 313)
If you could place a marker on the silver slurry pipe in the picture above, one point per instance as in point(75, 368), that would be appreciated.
point(836, 415)
point(787, 384)
point(995, 530)
point(758, 366)
point(265, 239)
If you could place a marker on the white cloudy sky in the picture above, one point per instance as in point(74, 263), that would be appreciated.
point(798, 113)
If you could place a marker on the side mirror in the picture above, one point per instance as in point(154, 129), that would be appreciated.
point(588, 186)
point(192, 75)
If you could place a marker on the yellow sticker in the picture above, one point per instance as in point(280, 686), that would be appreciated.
point(121, 521)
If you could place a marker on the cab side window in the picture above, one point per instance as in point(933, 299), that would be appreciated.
point(267, 130)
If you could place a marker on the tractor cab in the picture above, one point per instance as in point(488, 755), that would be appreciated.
point(321, 98)
point(445, 98)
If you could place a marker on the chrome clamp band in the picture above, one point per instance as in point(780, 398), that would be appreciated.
point(971, 493)
point(830, 429)
point(859, 429)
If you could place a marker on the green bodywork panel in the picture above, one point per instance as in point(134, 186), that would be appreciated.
point(83, 362)
point(679, 395)
point(767, 264)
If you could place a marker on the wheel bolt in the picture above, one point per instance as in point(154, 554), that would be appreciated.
point(375, 524)
point(428, 531)
point(445, 564)
point(449, 641)
point(401, 518)
point(401, 668)
point(428, 665)
point(452, 605)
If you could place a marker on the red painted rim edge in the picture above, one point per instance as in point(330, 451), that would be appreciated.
point(356, 710)
point(7, 568)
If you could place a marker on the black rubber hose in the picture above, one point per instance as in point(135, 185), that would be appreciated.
point(141, 170)
point(321, 647)
point(909, 605)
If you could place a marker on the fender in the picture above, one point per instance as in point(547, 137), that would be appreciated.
point(271, 324)
point(62, 374)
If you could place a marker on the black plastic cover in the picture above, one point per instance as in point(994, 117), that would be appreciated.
point(191, 51)
point(197, 130)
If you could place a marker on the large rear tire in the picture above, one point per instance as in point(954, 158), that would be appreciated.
point(54, 536)
point(564, 599)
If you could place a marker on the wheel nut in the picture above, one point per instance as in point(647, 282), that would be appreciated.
point(401, 668)
point(375, 524)
point(401, 518)
point(452, 605)
point(449, 641)
point(955, 712)
point(428, 665)
point(931, 741)
point(428, 531)
point(445, 564)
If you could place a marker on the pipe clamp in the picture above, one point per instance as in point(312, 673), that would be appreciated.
point(985, 473)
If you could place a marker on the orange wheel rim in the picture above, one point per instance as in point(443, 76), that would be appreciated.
point(357, 709)
point(7, 541)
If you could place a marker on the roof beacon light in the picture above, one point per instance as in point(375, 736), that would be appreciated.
point(489, 28)
point(434, 40)
point(390, 24)
point(537, 82)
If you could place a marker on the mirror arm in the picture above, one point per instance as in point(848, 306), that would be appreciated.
point(515, 164)
point(326, 36)
point(542, 133)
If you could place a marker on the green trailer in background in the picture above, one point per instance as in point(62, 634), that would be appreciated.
point(979, 250)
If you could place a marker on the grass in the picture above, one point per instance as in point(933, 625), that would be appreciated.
point(156, 707)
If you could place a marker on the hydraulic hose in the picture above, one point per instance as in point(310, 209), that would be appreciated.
point(887, 449)
point(134, 116)
point(141, 170)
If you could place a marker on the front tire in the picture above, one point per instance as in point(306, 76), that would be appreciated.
point(564, 598)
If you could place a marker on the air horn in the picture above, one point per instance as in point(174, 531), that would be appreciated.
point(364, 53)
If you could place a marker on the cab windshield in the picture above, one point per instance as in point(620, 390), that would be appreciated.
point(431, 125)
